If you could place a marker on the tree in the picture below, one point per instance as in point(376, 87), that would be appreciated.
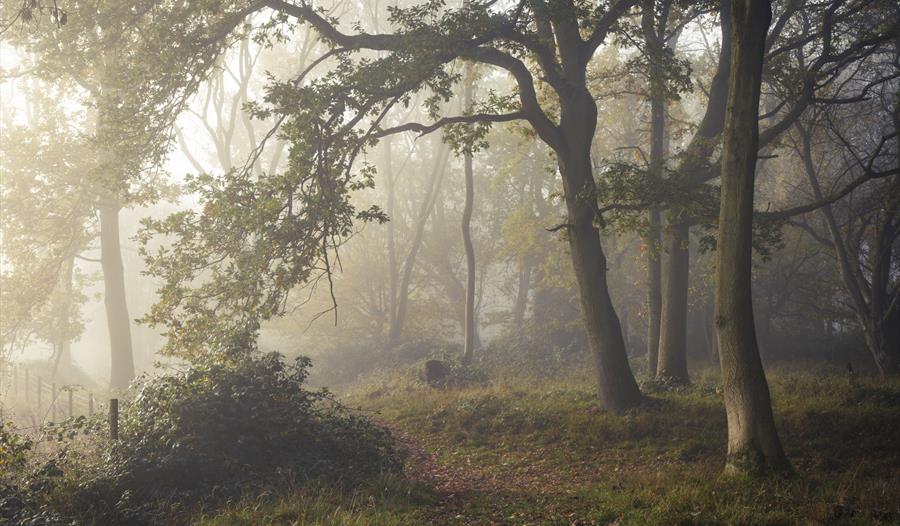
point(325, 124)
point(470, 327)
point(809, 49)
point(46, 220)
point(865, 236)
point(654, 25)
point(132, 102)
point(753, 442)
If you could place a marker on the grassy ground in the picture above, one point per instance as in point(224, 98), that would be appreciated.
point(540, 452)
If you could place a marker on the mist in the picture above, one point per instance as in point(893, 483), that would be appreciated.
point(428, 263)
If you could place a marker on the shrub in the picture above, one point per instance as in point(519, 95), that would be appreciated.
point(230, 422)
point(209, 433)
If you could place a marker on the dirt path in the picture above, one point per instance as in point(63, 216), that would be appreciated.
point(472, 492)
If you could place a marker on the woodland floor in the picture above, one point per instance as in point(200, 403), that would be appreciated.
point(540, 452)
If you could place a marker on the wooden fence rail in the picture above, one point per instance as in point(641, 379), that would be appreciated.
point(28, 395)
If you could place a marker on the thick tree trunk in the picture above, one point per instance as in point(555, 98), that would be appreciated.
point(617, 387)
point(469, 329)
point(673, 327)
point(676, 274)
point(753, 443)
point(654, 290)
point(117, 319)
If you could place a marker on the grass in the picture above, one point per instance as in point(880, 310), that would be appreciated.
point(387, 501)
point(546, 455)
point(540, 452)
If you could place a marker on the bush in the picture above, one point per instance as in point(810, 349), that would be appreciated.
point(209, 433)
point(232, 421)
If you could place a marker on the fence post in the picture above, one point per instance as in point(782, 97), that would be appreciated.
point(90, 404)
point(71, 393)
point(114, 418)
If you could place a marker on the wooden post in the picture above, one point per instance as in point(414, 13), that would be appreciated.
point(53, 394)
point(71, 394)
point(114, 418)
point(90, 404)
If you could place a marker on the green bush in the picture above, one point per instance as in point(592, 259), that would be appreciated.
point(207, 434)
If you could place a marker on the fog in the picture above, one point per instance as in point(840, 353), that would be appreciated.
point(639, 201)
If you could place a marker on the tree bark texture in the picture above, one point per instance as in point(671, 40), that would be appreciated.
point(673, 328)
point(618, 389)
point(753, 443)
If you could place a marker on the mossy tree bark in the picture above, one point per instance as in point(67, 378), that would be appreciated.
point(753, 443)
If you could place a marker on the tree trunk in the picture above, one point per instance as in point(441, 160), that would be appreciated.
point(437, 174)
point(654, 49)
point(469, 327)
point(753, 443)
point(63, 345)
point(524, 285)
point(391, 242)
point(654, 290)
point(881, 336)
point(673, 329)
point(117, 319)
point(677, 272)
point(617, 387)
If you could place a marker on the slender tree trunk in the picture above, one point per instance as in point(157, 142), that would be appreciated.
point(753, 443)
point(654, 290)
point(469, 327)
point(437, 174)
point(63, 344)
point(618, 389)
point(391, 242)
point(709, 329)
point(651, 29)
point(879, 334)
point(673, 329)
point(117, 319)
point(524, 285)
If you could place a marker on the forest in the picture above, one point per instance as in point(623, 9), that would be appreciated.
point(440, 262)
